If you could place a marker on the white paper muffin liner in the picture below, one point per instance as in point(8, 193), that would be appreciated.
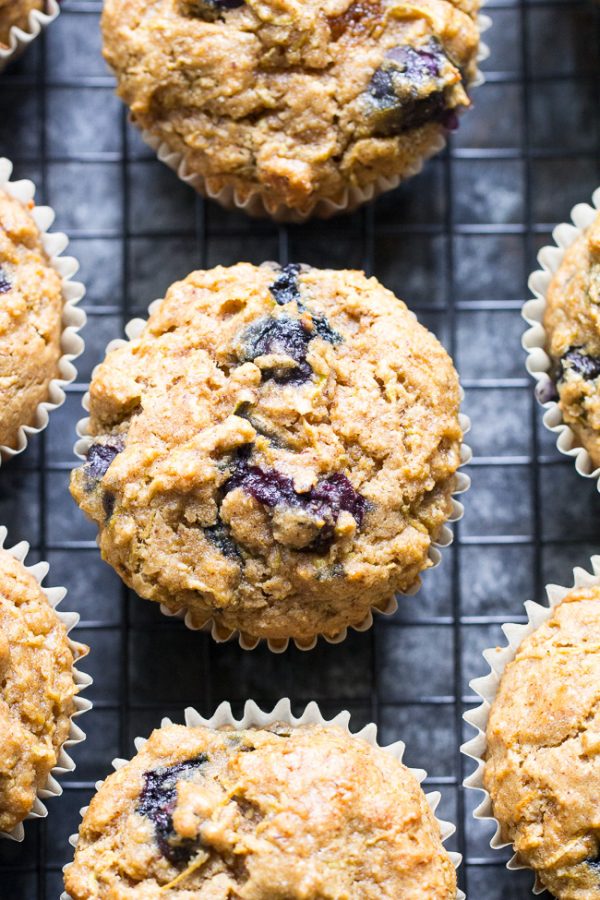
point(73, 318)
point(535, 341)
point(20, 38)
point(487, 688)
point(254, 717)
point(256, 204)
point(64, 763)
point(445, 537)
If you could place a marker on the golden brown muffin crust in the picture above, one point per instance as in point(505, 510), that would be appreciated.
point(16, 13)
point(543, 759)
point(276, 451)
point(36, 690)
point(572, 323)
point(31, 304)
point(295, 100)
point(307, 813)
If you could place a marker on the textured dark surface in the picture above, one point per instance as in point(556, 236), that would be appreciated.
point(457, 244)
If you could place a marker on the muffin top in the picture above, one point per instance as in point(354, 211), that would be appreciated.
point(15, 13)
point(305, 813)
point(31, 305)
point(295, 99)
point(36, 690)
point(276, 451)
point(572, 322)
point(543, 759)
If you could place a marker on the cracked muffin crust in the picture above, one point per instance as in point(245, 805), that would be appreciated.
point(275, 452)
point(15, 13)
point(542, 765)
point(294, 101)
point(31, 305)
point(37, 690)
point(572, 323)
point(305, 813)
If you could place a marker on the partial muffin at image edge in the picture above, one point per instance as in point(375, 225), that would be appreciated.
point(572, 323)
point(542, 762)
point(15, 14)
point(276, 452)
point(282, 811)
point(38, 687)
point(324, 99)
point(31, 309)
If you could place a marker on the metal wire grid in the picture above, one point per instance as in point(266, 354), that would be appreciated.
point(457, 243)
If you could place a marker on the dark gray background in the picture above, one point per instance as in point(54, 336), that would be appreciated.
point(457, 243)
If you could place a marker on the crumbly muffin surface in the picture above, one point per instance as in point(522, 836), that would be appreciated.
point(276, 451)
point(294, 100)
point(307, 813)
point(543, 759)
point(31, 306)
point(36, 690)
point(16, 13)
point(572, 323)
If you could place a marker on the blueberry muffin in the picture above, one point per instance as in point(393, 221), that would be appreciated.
point(542, 766)
point(31, 304)
point(15, 13)
point(294, 102)
point(37, 690)
point(308, 812)
point(572, 323)
point(275, 452)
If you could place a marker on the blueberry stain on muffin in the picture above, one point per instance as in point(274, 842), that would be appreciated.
point(158, 800)
point(5, 282)
point(409, 89)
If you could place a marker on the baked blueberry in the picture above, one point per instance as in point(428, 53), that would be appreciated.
point(5, 282)
point(209, 10)
point(408, 90)
point(283, 336)
point(584, 364)
point(158, 800)
point(285, 288)
point(100, 457)
point(323, 503)
point(594, 863)
point(220, 537)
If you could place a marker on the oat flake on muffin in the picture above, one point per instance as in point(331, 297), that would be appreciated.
point(37, 690)
point(276, 451)
point(15, 14)
point(294, 101)
point(31, 305)
point(572, 323)
point(308, 812)
point(542, 766)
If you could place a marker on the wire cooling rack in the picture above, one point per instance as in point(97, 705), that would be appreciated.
point(457, 243)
